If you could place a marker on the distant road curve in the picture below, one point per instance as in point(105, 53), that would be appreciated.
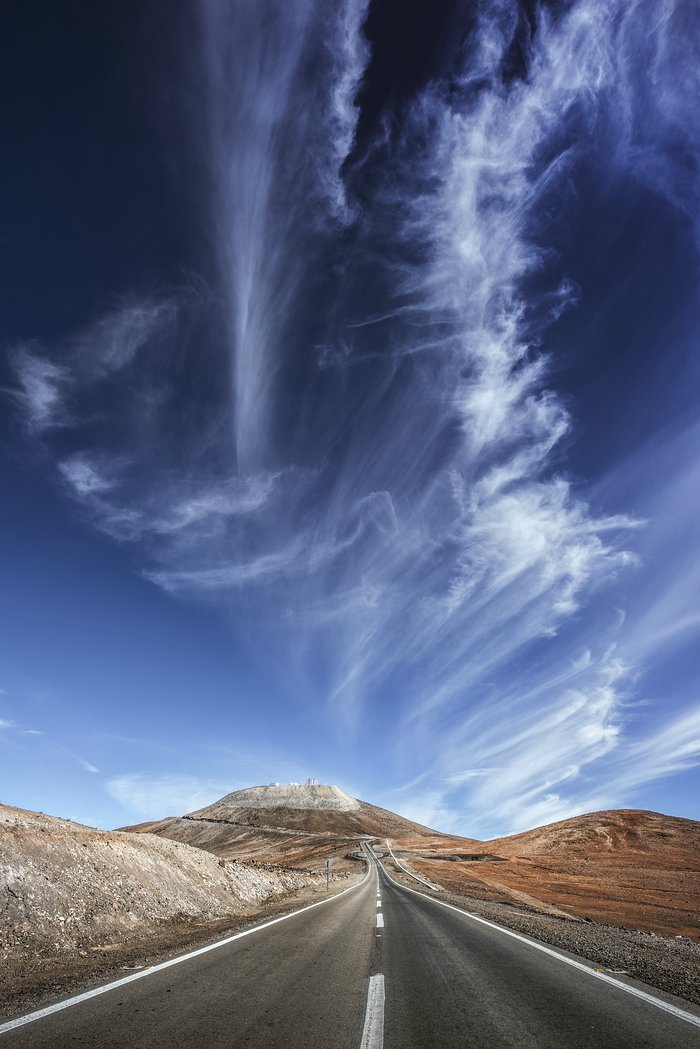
point(412, 874)
point(377, 966)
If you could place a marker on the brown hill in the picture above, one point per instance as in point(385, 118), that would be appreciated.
point(298, 825)
point(614, 833)
point(623, 867)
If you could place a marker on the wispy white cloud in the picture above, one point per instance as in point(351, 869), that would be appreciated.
point(229, 498)
point(66, 752)
point(274, 164)
point(348, 53)
point(665, 615)
point(402, 528)
point(157, 795)
point(672, 748)
point(534, 746)
point(657, 126)
point(40, 390)
point(429, 808)
point(83, 476)
point(114, 341)
point(87, 766)
point(560, 749)
point(48, 390)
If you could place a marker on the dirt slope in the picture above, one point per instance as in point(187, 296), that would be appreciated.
point(65, 885)
point(625, 867)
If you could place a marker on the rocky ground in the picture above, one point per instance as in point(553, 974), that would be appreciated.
point(663, 962)
point(67, 886)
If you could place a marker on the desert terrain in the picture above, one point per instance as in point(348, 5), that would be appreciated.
point(630, 868)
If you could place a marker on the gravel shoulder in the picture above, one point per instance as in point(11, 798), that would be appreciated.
point(663, 963)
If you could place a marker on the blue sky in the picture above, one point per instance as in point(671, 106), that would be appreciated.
point(350, 426)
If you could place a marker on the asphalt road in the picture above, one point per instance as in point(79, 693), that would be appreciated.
point(455, 983)
point(303, 983)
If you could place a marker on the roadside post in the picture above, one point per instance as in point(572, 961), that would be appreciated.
point(329, 864)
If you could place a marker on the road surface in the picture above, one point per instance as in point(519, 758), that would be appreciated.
point(378, 967)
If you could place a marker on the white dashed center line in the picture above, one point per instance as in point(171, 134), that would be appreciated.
point(373, 1033)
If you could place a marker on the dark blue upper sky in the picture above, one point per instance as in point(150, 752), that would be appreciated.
point(350, 371)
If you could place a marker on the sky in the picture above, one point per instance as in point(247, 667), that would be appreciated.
point(349, 394)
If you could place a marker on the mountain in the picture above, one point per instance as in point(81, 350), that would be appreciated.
point(624, 867)
point(294, 824)
point(315, 808)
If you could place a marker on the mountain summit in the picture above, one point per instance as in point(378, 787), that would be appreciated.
point(303, 796)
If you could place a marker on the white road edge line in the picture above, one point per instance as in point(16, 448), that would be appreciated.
point(373, 1031)
point(680, 1014)
point(412, 874)
point(38, 1014)
point(380, 921)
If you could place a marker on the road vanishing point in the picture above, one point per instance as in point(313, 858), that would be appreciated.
point(378, 965)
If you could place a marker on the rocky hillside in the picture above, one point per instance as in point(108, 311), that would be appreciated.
point(619, 834)
point(303, 796)
point(66, 885)
point(298, 825)
point(626, 867)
